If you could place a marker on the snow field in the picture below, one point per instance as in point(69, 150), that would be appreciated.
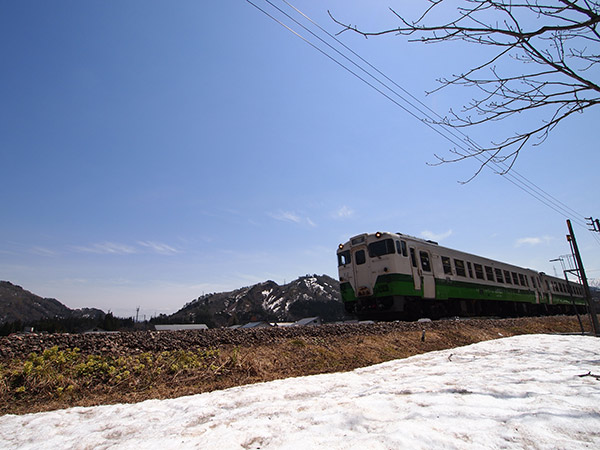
point(511, 393)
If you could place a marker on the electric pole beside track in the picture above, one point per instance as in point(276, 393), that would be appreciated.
point(594, 223)
point(586, 287)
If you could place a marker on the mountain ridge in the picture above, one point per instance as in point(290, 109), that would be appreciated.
point(309, 295)
point(20, 305)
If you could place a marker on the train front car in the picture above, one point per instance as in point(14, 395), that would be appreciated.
point(376, 277)
point(389, 276)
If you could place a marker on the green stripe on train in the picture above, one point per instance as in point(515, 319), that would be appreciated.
point(403, 285)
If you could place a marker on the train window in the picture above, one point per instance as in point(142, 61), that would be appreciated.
point(413, 258)
point(460, 267)
point(478, 271)
point(523, 280)
point(380, 248)
point(425, 261)
point(515, 278)
point(533, 283)
point(547, 285)
point(344, 258)
point(499, 276)
point(507, 277)
point(447, 266)
point(401, 248)
point(489, 273)
point(360, 257)
point(470, 269)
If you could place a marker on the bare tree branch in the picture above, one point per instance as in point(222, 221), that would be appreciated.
point(557, 42)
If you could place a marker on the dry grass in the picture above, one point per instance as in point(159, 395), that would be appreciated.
point(57, 379)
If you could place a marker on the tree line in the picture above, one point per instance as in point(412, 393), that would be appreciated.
point(72, 325)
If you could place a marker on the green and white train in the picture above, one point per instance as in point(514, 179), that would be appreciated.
point(390, 276)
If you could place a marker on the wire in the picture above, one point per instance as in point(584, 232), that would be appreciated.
point(342, 65)
point(512, 176)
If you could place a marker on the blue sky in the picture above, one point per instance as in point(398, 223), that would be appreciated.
point(155, 151)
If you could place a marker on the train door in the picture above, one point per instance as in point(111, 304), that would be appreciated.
point(427, 271)
point(536, 289)
point(416, 271)
point(362, 272)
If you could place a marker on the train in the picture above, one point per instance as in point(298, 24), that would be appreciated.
point(393, 276)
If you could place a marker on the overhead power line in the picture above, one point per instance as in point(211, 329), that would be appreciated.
point(331, 47)
point(513, 176)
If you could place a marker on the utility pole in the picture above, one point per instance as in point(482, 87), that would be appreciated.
point(594, 223)
point(565, 272)
point(586, 287)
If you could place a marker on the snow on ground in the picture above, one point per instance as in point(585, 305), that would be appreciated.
point(512, 393)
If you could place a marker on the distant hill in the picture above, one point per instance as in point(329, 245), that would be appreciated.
point(594, 283)
point(308, 296)
point(17, 304)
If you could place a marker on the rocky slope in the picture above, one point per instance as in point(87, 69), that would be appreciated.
point(17, 304)
point(311, 295)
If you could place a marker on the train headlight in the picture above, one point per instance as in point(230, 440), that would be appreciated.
point(341, 246)
point(378, 234)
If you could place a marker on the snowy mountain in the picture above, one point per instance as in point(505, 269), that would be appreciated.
point(311, 295)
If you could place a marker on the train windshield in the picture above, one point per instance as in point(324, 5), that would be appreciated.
point(381, 248)
point(344, 258)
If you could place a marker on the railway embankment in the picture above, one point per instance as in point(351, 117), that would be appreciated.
point(41, 372)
